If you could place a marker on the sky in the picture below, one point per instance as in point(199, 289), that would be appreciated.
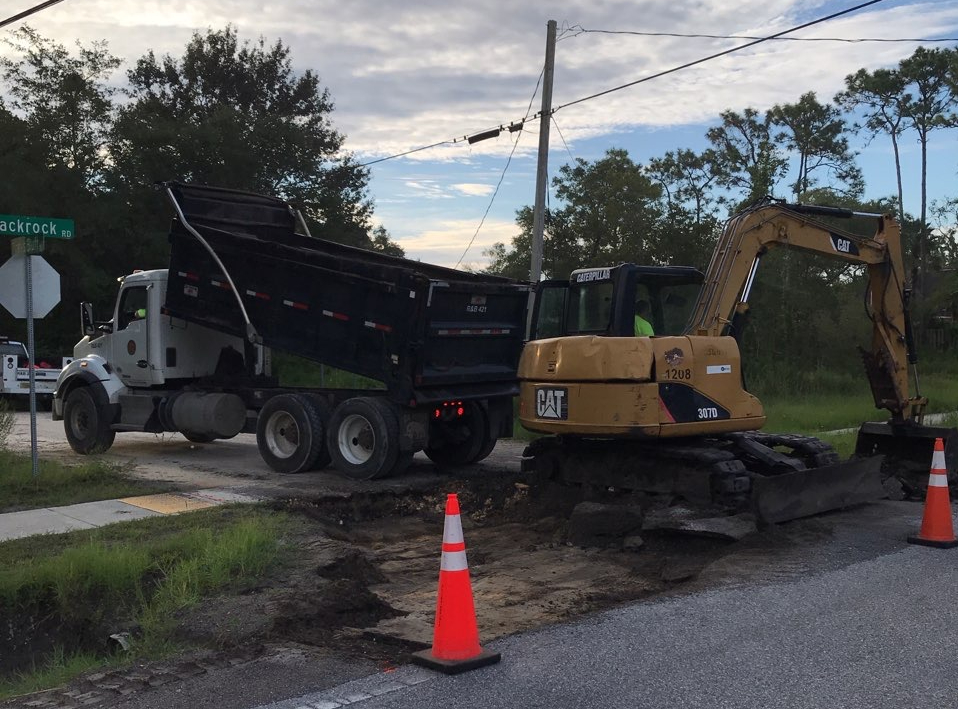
point(408, 74)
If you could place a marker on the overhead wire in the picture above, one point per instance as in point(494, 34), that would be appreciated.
point(30, 11)
point(717, 55)
point(576, 30)
point(495, 192)
point(559, 131)
point(491, 201)
point(567, 34)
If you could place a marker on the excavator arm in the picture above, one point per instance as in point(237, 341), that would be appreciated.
point(723, 300)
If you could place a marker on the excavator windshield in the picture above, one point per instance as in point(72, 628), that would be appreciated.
point(606, 301)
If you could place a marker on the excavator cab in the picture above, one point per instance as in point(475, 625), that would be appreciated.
point(605, 301)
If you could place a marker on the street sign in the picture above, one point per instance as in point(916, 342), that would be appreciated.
point(18, 225)
point(13, 286)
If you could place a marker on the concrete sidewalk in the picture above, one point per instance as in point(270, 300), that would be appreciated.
point(87, 515)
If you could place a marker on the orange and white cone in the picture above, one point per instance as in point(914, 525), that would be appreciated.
point(937, 527)
point(455, 639)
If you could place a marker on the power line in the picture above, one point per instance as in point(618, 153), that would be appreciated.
point(516, 125)
point(559, 131)
point(26, 13)
point(719, 54)
point(851, 40)
point(503, 175)
point(491, 201)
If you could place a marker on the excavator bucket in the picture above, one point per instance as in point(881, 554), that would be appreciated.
point(907, 448)
point(803, 493)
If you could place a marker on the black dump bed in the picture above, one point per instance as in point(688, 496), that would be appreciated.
point(428, 333)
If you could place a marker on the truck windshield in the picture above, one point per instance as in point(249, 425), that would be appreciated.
point(13, 348)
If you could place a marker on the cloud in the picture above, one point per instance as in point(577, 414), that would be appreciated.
point(447, 241)
point(414, 73)
point(473, 190)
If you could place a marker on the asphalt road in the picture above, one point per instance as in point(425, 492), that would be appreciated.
point(875, 633)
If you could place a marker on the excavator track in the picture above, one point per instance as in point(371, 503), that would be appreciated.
point(776, 476)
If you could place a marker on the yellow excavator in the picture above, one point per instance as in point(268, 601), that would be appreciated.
point(669, 412)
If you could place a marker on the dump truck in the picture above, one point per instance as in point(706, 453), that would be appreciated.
point(669, 413)
point(186, 348)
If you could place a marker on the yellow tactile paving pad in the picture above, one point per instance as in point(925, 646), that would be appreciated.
point(167, 504)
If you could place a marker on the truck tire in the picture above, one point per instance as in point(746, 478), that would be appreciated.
point(86, 421)
point(324, 411)
point(487, 447)
point(462, 442)
point(363, 438)
point(289, 433)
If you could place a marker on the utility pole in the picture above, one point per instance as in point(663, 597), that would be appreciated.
point(542, 172)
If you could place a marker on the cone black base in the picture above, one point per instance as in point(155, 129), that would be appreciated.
point(454, 667)
point(933, 543)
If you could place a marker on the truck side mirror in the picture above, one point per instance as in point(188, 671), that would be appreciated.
point(86, 319)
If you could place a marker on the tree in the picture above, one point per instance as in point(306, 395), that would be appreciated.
point(745, 156)
point(383, 244)
point(610, 213)
point(64, 101)
point(236, 115)
point(691, 222)
point(882, 97)
point(818, 135)
point(925, 110)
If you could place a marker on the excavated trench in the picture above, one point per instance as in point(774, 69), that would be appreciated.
point(363, 580)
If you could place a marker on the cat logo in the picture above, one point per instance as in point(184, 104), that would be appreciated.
point(844, 245)
point(552, 403)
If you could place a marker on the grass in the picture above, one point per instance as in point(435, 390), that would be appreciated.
point(841, 406)
point(136, 575)
point(58, 484)
point(293, 371)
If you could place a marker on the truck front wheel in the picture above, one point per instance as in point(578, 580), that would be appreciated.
point(363, 438)
point(86, 421)
point(289, 434)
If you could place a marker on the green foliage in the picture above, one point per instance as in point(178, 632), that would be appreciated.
point(226, 112)
point(137, 574)
point(818, 137)
point(293, 371)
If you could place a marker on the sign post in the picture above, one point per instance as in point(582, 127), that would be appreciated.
point(29, 233)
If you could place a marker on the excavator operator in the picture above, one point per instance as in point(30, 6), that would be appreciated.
point(643, 311)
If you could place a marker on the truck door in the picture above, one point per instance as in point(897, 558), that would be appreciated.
point(131, 352)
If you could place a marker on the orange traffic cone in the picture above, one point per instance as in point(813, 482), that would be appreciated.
point(455, 639)
point(937, 529)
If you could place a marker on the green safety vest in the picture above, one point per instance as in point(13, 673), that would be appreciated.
point(643, 328)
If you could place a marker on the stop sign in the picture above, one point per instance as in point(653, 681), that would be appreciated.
point(13, 292)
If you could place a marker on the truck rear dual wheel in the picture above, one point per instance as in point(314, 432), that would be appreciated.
point(290, 434)
point(363, 439)
point(463, 441)
point(86, 421)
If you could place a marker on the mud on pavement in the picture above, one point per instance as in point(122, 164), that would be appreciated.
point(364, 583)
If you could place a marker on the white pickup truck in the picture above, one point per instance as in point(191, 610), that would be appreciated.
point(15, 378)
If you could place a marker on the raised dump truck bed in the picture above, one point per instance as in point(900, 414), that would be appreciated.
point(428, 333)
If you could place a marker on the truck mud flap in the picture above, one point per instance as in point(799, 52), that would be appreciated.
point(779, 498)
